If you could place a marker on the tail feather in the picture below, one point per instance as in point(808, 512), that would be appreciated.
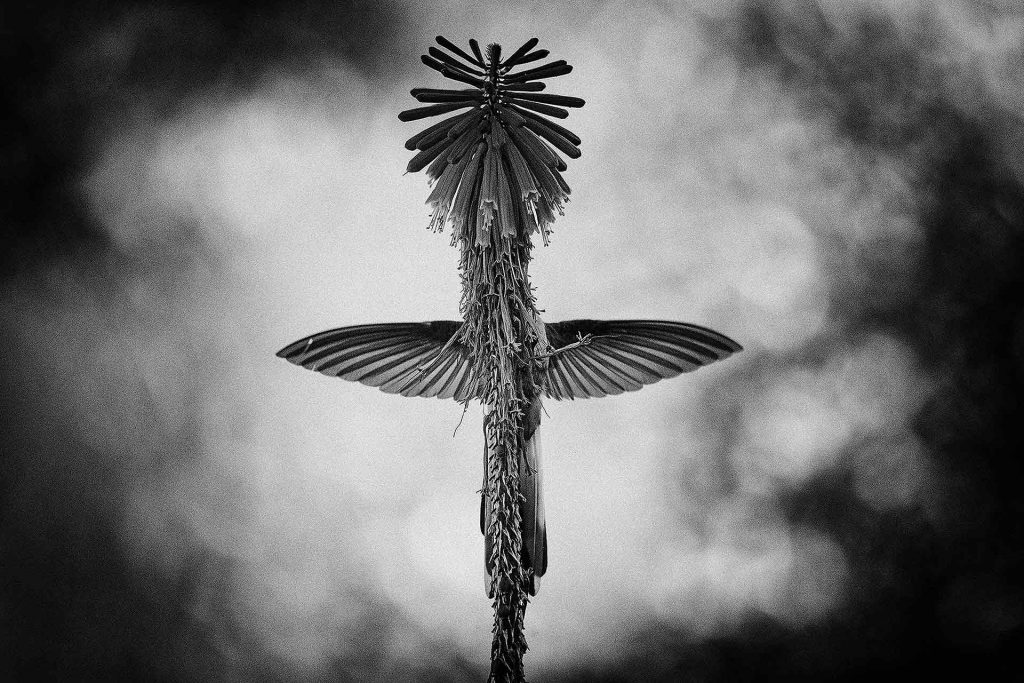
point(534, 529)
point(485, 521)
point(535, 539)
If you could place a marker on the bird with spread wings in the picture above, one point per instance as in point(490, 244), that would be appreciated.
point(582, 359)
point(497, 181)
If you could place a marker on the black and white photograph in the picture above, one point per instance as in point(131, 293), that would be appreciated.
point(399, 341)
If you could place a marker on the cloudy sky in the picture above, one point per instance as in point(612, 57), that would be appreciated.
point(835, 185)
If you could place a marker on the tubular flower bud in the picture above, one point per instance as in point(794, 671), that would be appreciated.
point(495, 170)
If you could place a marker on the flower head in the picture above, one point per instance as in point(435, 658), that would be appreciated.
point(495, 168)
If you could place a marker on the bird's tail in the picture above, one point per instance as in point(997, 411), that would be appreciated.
point(534, 528)
point(535, 533)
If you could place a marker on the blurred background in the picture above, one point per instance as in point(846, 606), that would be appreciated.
point(190, 186)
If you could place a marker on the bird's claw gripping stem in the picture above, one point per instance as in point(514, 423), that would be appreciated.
point(581, 340)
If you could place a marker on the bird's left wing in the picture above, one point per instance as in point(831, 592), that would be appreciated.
point(411, 359)
point(624, 355)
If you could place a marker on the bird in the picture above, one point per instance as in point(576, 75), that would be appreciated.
point(579, 359)
point(497, 181)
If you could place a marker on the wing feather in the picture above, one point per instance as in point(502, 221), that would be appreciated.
point(369, 362)
point(429, 380)
point(422, 359)
point(606, 378)
point(412, 359)
point(573, 387)
point(583, 378)
point(624, 355)
point(659, 358)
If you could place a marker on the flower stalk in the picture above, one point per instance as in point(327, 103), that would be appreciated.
point(497, 181)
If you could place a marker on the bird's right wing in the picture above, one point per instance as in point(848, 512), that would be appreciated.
point(624, 355)
point(411, 359)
